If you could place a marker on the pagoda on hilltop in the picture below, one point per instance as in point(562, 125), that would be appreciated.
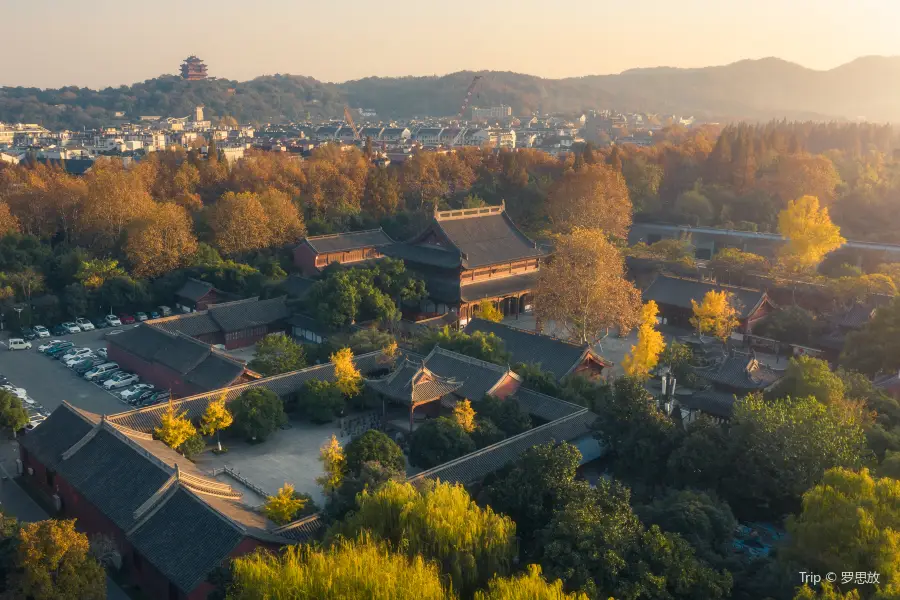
point(193, 69)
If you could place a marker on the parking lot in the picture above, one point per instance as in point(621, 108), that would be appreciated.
point(48, 382)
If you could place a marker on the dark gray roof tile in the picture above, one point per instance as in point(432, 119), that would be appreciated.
point(676, 291)
point(194, 289)
point(339, 242)
point(59, 432)
point(544, 407)
point(486, 236)
point(193, 324)
point(248, 313)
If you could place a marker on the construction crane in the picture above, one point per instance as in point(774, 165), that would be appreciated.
point(468, 96)
point(349, 118)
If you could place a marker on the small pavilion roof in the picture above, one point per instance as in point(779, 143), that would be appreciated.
point(413, 383)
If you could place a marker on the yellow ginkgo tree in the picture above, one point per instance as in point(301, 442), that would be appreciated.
point(174, 427)
point(216, 418)
point(644, 355)
point(809, 232)
point(715, 315)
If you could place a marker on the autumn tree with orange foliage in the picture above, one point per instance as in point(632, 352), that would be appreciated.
point(160, 242)
point(594, 197)
point(238, 223)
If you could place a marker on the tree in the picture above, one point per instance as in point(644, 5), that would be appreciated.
point(806, 376)
point(827, 591)
point(507, 416)
point(12, 415)
point(644, 355)
point(464, 415)
point(94, 273)
point(734, 266)
point(161, 241)
point(371, 476)
point(238, 223)
point(347, 376)
point(533, 487)
point(216, 418)
point(277, 353)
point(192, 446)
point(382, 194)
point(284, 219)
point(595, 542)
point(8, 222)
point(486, 347)
point(796, 175)
point(792, 324)
point(595, 197)
point(347, 569)
point(334, 466)
point(694, 208)
point(488, 311)
point(486, 433)
point(28, 280)
point(810, 234)
point(439, 522)
point(174, 427)
point(715, 315)
point(849, 516)
point(437, 441)
point(600, 298)
point(876, 348)
point(321, 401)
point(529, 585)
point(283, 507)
point(784, 448)
point(700, 518)
point(54, 562)
point(258, 412)
point(374, 446)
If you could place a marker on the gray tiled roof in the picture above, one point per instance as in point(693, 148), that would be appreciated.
point(339, 242)
point(414, 384)
point(308, 323)
point(676, 291)
point(477, 465)
point(499, 287)
point(552, 354)
point(148, 419)
point(858, 315)
point(711, 402)
point(59, 432)
point(179, 353)
point(194, 289)
point(740, 371)
point(488, 239)
point(297, 286)
point(543, 406)
point(193, 324)
point(426, 255)
point(248, 313)
point(185, 539)
point(477, 376)
point(303, 530)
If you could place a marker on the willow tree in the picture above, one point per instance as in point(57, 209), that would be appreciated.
point(349, 569)
point(529, 585)
point(583, 289)
point(644, 355)
point(441, 523)
point(810, 234)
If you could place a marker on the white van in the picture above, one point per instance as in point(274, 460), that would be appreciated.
point(100, 370)
point(18, 344)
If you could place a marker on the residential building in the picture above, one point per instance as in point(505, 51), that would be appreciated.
point(173, 361)
point(494, 112)
point(494, 138)
point(396, 135)
point(675, 297)
point(315, 253)
point(327, 133)
point(235, 324)
point(558, 357)
point(428, 136)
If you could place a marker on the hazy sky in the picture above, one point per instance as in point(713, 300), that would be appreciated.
point(94, 43)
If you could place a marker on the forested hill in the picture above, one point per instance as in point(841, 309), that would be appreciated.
point(751, 89)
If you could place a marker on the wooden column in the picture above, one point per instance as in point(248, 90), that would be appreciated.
point(412, 407)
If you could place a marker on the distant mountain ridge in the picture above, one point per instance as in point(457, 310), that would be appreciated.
point(763, 89)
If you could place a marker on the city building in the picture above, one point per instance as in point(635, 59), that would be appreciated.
point(193, 69)
point(494, 112)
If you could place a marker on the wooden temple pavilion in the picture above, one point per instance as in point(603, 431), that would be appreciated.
point(469, 255)
point(413, 384)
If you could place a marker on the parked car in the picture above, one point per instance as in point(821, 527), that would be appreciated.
point(126, 319)
point(72, 353)
point(18, 344)
point(140, 316)
point(60, 348)
point(100, 379)
point(154, 314)
point(153, 399)
point(58, 330)
point(84, 324)
point(137, 400)
point(41, 331)
point(101, 370)
point(28, 333)
point(47, 345)
point(20, 393)
point(71, 362)
point(86, 365)
point(165, 311)
point(100, 323)
point(70, 327)
point(120, 380)
point(3, 380)
point(102, 353)
point(113, 321)
point(135, 391)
